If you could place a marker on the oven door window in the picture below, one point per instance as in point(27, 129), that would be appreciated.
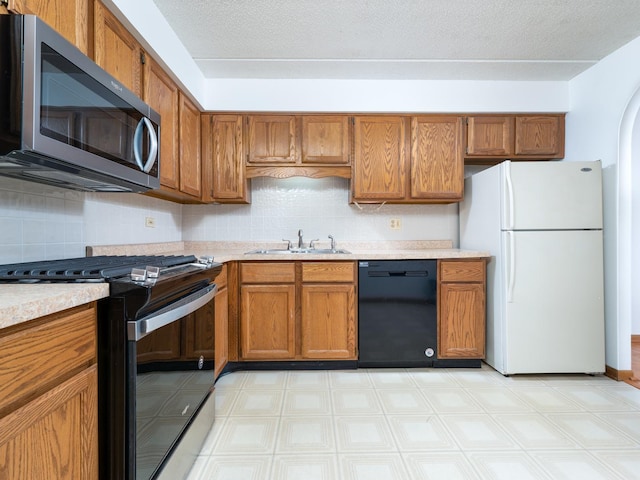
point(174, 375)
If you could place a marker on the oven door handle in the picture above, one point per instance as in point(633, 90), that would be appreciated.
point(137, 329)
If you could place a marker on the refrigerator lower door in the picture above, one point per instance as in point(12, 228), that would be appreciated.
point(554, 305)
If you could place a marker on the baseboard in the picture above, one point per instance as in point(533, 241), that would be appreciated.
point(635, 339)
point(619, 375)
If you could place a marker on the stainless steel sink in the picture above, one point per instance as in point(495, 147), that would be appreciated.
point(293, 251)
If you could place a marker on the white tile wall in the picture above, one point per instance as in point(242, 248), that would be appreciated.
point(40, 222)
point(320, 207)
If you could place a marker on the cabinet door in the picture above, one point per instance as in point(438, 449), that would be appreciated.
point(223, 159)
point(272, 139)
point(190, 164)
point(461, 320)
point(328, 324)
point(199, 332)
point(490, 135)
point(70, 18)
point(116, 50)
point(541, 135)
point(437, 165)
point(162, 94)
point(221, 354)
point(325, 139)
point(160, 345)
point(379, 165)
point(267, 322)
point(55, 435)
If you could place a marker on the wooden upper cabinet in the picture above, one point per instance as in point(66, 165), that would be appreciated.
point(162, 94)
point(272, 139)
point(379, 164)
point(490, 135)
point(325, 139)
point(70, 18)
point(224, 177)
point(437, 165)
point(189, 134)
point(522, 136)
point(116, 50)
point(541, 135)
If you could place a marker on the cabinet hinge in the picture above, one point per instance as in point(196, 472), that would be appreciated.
point(143, 58)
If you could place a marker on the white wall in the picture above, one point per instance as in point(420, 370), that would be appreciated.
point(599, 98)
point(39, 222)
point(280, 207)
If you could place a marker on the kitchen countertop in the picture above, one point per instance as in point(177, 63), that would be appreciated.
point(22, 302)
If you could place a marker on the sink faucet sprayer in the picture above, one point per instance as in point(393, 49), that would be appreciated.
point(300, 242)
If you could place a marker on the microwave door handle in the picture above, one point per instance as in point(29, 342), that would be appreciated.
point(137, 145)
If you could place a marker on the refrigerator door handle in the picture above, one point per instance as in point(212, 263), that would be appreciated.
point(509, 206)
point(511, 266)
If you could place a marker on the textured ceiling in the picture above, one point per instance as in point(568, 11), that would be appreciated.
point(401, 39)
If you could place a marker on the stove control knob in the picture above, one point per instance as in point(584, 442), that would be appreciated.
point(152, 272)
point(429, 352)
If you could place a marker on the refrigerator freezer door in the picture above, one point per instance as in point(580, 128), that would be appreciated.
point(551, 195)
point(554, 307)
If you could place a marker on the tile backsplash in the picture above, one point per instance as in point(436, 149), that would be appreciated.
point(40, 222)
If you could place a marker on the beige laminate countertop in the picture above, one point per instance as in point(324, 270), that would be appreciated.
point(22, 302)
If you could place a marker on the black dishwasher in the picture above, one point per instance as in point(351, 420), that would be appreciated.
point(397, 313)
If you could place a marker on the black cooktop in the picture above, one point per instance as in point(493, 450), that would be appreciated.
point(100, 268)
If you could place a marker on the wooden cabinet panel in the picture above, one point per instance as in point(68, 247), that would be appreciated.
point(461, 325)
point(490, 135)
point(199, 332)
point(116, 50)
point(437, 165)
point(160, 345)
point(224, 177)
point(540, 136)
point(34, 359)
point(462, 271)
point(379, 165)
point(272, 139)
point(55, 435)
point(328, 272)
point(325, 139)
point(461, 308)
point(189, 134)
point(268, 272)
point(328, 324)
point(221, 354)
point(70, 18)
point(162, 94)
point(267, 322)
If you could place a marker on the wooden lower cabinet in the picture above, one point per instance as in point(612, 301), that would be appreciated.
point(297, 311)
point(221, 353)
point(461, 308)
point(48, 401)
point(267, 315)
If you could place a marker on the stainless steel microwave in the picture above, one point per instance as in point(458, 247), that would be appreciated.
point(64, 121)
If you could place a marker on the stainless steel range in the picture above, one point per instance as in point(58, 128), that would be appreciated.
point(155, 400)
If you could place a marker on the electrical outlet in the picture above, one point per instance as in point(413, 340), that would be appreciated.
point(395, 224)
point(150, 222)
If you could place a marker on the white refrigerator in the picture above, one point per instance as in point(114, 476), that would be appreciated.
point(542, 223)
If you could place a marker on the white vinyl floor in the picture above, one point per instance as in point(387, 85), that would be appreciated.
point(419, 424)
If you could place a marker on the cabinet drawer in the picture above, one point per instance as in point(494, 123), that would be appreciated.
point(462, 271)
point(37, 358)
point(328, 271)
point(265, 272)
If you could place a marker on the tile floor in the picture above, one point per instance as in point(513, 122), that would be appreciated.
point(419, 424)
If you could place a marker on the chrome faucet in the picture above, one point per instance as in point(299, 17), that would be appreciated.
point(333, 242)
point(300, 242)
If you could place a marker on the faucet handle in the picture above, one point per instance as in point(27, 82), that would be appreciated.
point(288, 243)
point(312, 243)
point(333, 242)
